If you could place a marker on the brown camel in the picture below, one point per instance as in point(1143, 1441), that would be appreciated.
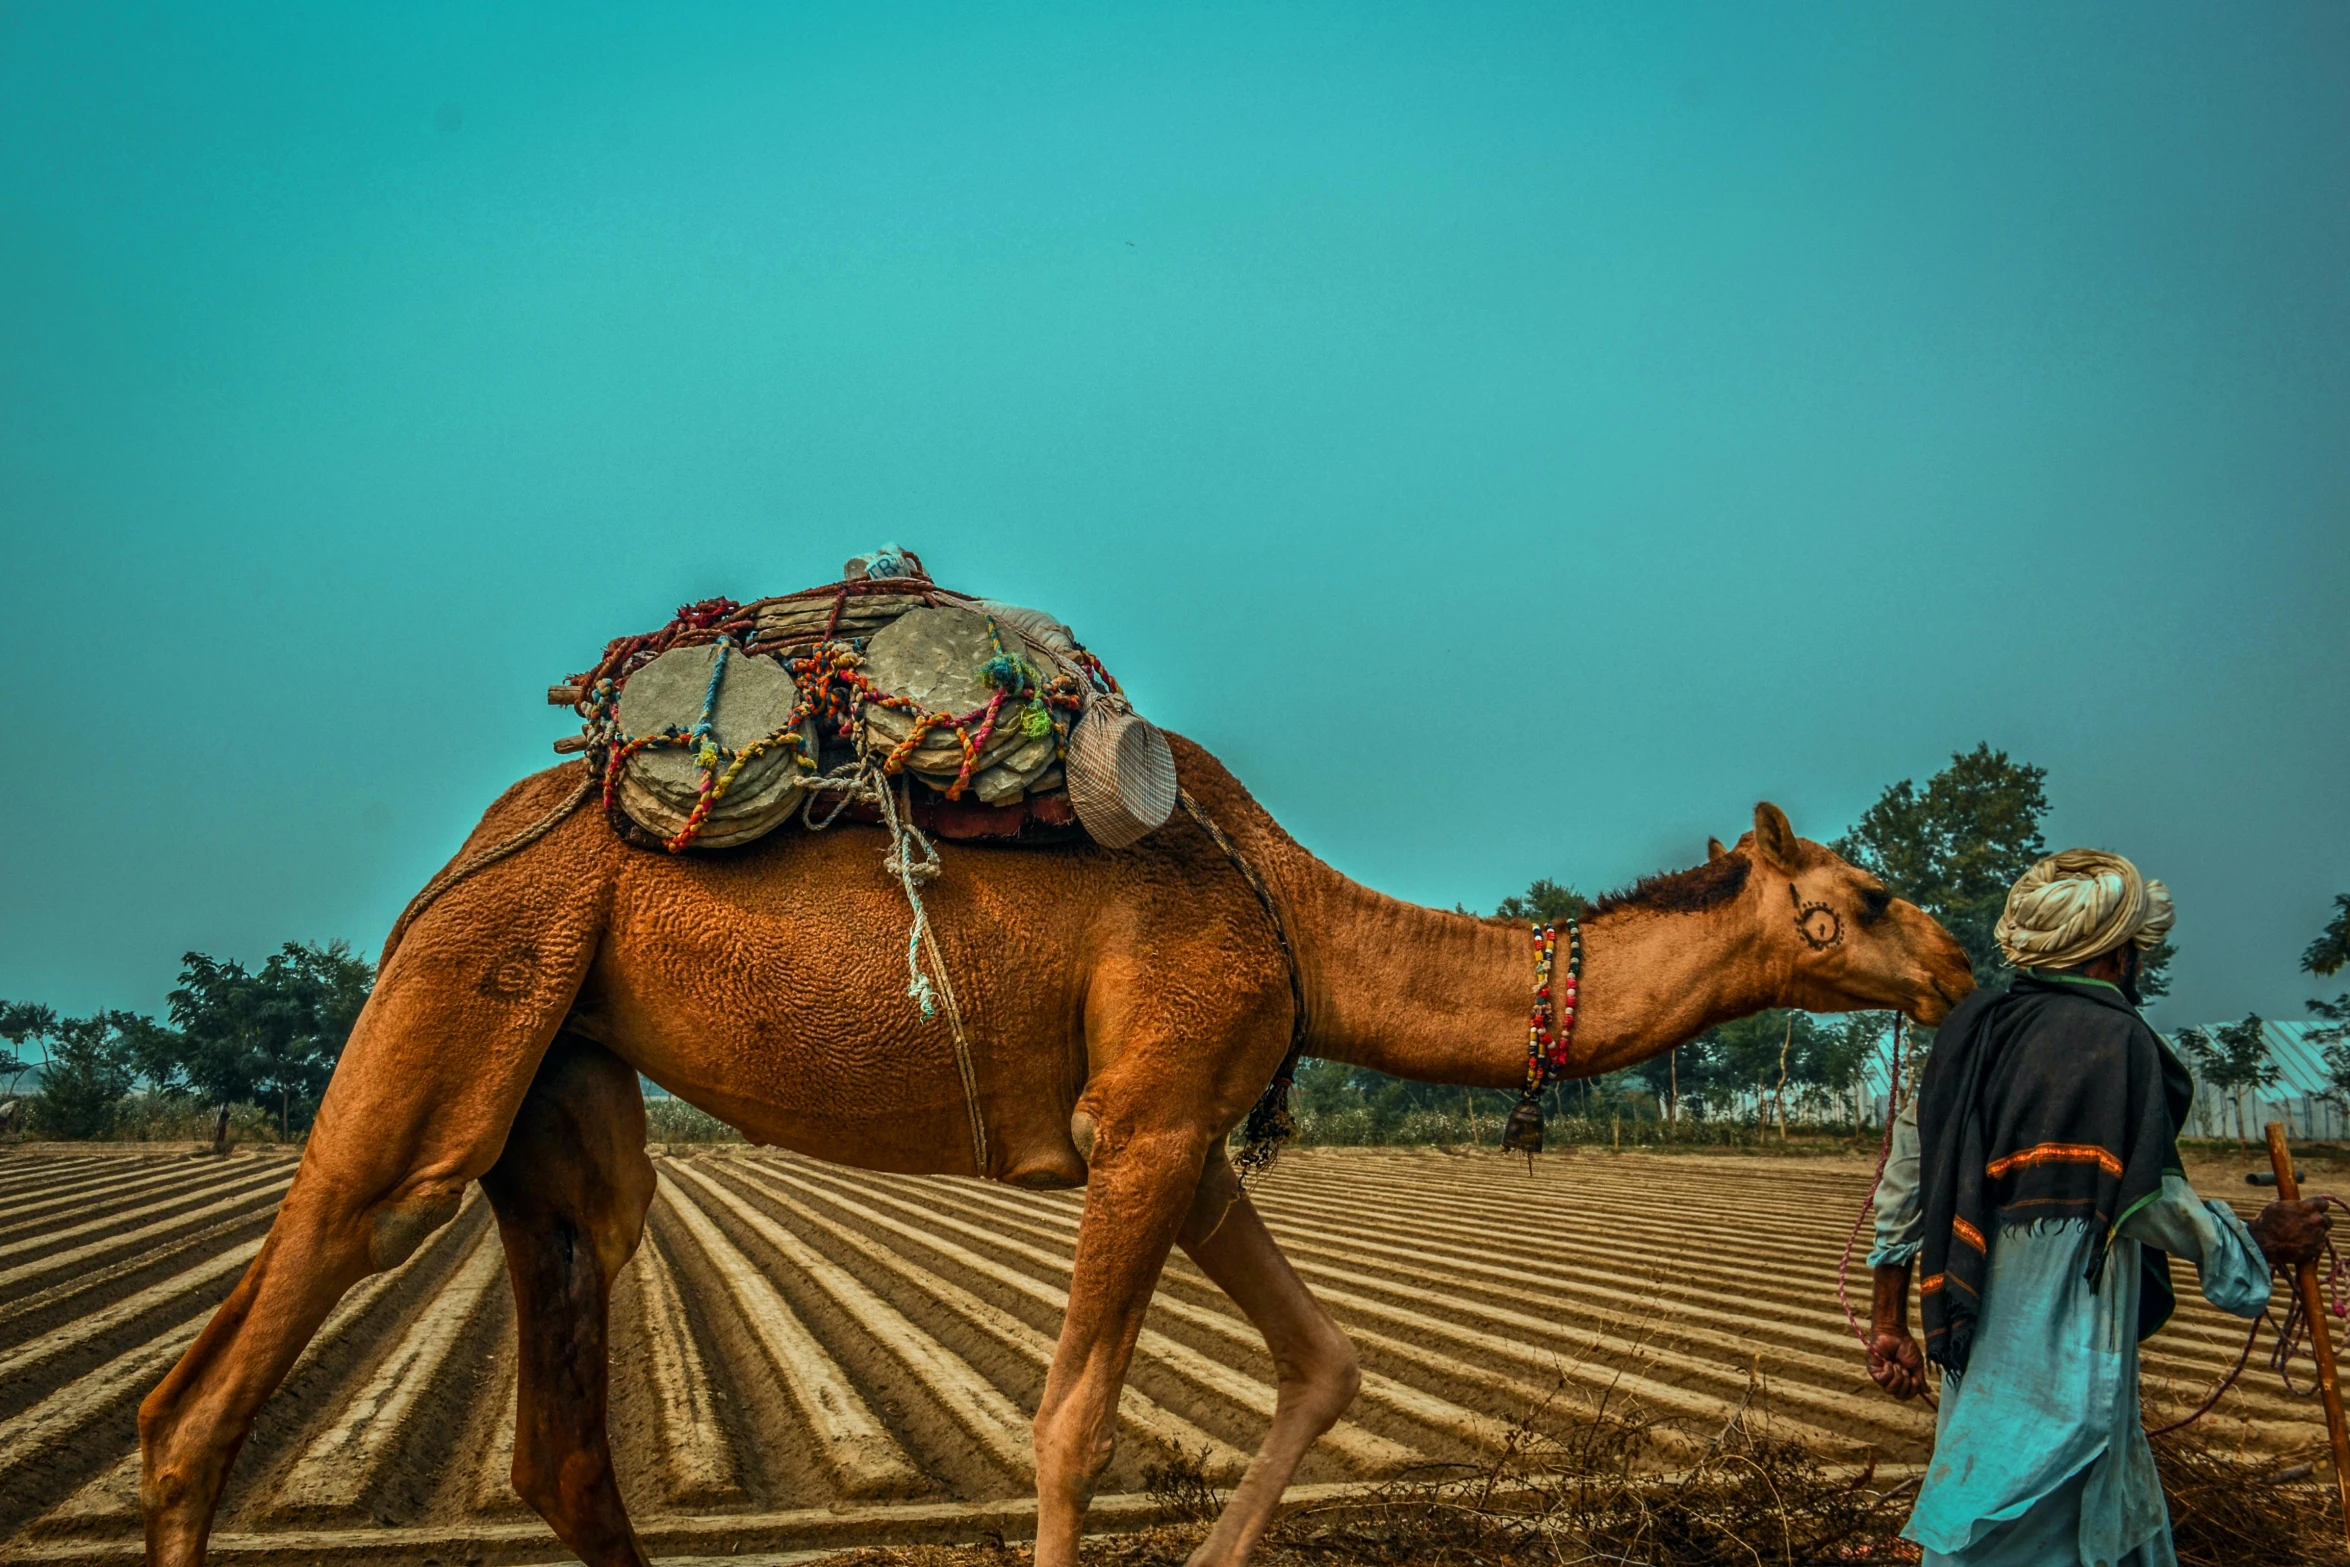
point(1125, 1010)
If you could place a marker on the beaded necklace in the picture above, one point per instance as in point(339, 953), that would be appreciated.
point(1550, 1034)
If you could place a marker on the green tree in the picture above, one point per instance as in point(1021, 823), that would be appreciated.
point(1544, 900)
point(2232, 1059)
point(277, 1034)
point(158, 1054)
point(21, 1021)
point(1954, 847)
point(217, 1010)
point(2326, 957)
point(306, 999)
point(84, 1079)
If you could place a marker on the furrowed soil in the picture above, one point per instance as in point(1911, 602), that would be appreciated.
point(807, 1358)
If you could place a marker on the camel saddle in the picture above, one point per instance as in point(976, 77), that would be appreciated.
point(983, 719)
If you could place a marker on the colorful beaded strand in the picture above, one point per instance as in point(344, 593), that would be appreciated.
point(1550, 1033)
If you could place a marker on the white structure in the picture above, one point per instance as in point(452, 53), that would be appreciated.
point(2298, 1098)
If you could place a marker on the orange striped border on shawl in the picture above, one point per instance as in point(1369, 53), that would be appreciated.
point(1968, 1233)
point(2056, 1153)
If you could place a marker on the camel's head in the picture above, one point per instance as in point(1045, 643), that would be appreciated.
point(1830, 935)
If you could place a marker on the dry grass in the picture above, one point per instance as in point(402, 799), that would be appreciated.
point(1605, 1484)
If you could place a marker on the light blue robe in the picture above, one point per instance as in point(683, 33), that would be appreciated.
point(2040, 1457)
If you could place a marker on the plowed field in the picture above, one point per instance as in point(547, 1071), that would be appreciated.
point(806, 1356)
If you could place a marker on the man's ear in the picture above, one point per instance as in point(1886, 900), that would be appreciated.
point(1714, 850)
point(1774, 839)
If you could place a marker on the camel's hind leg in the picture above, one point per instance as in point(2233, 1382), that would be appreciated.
point(1313, 1361)
point(571, 1191)
point(418, 1107)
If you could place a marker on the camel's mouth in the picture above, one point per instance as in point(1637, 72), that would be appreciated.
point(1930, 1008)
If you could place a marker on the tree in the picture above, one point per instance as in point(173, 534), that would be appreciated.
point(2325, 958)
point(20, 1021)
point(158, 1054)
point(276, 1034)
point(306, 1000)
point(1954, 847)
point(1765, 1055)
point(2232, 1059)
point(84, 1079)
point(218, 1013)
point(1545, 901)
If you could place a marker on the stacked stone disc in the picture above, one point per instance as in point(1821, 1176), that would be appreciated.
point(919, 642)
point(934, 655)
point(660, 785)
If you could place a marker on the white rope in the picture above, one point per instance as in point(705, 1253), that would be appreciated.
point(913, 859)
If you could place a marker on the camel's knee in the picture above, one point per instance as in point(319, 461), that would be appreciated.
point(1322, 1375)
point(396, 1228)
point(1077, 1451)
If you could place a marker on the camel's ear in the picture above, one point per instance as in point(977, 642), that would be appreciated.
point(1774, 839)
point(1714, 850)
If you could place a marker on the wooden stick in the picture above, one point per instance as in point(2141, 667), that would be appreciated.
point(2321, 1337)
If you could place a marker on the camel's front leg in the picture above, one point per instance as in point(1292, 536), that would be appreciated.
point(1140, 1188)
point(1312, 1359)
point(419, 1106)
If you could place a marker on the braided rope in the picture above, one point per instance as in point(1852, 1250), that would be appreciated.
point(453, 874)
point(1269, 1124)
point(913, 859)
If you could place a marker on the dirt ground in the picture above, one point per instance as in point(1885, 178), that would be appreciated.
point(1685, 1285)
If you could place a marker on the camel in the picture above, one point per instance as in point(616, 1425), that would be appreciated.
point(1125, 1010)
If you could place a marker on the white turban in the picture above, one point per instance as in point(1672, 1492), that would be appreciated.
point(2078, 905)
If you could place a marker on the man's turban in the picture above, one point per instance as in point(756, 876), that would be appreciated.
point(2078, 905)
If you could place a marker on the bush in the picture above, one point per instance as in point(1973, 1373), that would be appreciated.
point(182, 1118)
point(83, 1083)
point(672, 1120)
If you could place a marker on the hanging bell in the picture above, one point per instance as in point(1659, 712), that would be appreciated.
point(1523, 1131)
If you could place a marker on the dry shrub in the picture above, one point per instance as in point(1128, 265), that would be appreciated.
point(2226, 1509)
point(1602, 1483)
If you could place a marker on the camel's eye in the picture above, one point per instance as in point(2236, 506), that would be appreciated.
point(1875, 902)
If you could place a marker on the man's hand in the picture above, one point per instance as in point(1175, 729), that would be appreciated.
point(1897, 1365)
point(2292, 1233)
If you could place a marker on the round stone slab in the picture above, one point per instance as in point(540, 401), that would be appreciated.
point(755, 699)
point(934, 656)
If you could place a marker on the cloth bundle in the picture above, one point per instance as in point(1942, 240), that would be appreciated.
point(2080, 904)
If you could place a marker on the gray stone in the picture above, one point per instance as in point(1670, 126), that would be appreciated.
point(660, 786)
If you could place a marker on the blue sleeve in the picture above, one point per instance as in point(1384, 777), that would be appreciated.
point(2228, 1261)
point(1901, 1213)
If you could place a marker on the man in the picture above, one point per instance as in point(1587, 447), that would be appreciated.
point(2036, 1176)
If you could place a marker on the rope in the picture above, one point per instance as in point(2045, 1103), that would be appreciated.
point(453, 874)
point(1884, 1157)
point(2292, 1333)
point(913, 859)
point(1268, 1125)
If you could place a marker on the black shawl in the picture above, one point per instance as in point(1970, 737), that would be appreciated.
point(2050, 1100)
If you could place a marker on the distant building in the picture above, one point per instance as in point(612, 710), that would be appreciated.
point(2298, 1097)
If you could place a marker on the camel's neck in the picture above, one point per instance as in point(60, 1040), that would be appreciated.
point(1440, 997)
point(1445, 997)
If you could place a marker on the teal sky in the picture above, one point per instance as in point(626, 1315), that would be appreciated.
point(1515, 439)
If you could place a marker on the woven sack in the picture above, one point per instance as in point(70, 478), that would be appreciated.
point(1121, 774)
